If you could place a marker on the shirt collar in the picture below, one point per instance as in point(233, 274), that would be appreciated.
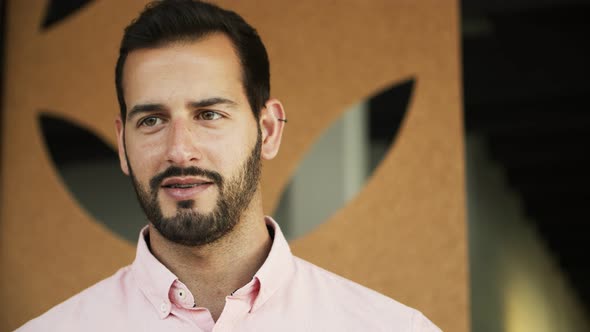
point(278, 267)
point(155, 280)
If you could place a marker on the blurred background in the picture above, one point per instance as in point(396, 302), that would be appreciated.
point(527, 124)
point(526, 95)
point(525, 66)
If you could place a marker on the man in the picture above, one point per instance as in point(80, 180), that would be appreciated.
point(196, 118)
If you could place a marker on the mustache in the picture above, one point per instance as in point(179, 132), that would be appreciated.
point(171, 171)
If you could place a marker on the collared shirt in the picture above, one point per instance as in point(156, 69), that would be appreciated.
point(286, 294)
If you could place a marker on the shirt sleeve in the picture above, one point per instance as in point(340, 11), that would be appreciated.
point(421, 324)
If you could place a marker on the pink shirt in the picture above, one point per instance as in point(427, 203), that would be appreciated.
point(286, 294)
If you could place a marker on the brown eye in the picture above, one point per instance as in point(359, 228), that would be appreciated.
point(209, 115)
point(149, 121)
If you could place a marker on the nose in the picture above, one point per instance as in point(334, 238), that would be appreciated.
point(182, 145)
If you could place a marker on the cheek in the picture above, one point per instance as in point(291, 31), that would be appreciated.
point(144, 158)
point(241, 149)
point(218, 151)
point(226, 152)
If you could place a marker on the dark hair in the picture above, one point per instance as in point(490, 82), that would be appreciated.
point(168, 21)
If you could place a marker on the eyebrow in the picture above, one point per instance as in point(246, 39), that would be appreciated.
point(212, 102)
point(150, 108)
point(144, 108)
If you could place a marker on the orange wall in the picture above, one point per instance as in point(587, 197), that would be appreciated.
point(404, 235)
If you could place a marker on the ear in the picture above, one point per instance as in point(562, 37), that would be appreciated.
point(120, 127)
point(272, 128)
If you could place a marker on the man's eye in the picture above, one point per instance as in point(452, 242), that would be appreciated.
point(150, 121)
point(209, 115)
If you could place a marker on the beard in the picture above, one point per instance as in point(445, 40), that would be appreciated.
point(193, 228)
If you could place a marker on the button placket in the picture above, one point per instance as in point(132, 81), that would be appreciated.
point(165, 307)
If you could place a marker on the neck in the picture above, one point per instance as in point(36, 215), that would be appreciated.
point(213, 271)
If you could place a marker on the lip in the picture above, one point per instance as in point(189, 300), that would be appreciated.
point(183, 194)
point(185, 180)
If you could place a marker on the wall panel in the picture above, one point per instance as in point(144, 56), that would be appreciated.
point(403, 235)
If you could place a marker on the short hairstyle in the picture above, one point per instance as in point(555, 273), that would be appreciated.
point(168, 21)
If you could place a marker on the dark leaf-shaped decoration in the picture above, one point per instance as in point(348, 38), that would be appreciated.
point(58, 10)
point(90, 170)
point(332, 173)
point(339, 163)
point(387, 110)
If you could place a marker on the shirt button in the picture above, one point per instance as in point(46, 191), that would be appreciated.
point(164, 307)
point(182, 294)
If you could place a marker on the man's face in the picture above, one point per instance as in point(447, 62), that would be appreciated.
point(191, 143)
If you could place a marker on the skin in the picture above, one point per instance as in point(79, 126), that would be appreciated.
point(217, 137)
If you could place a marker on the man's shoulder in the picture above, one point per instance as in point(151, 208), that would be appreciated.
point(106, 296)
point(340, 287)
point(363, 304)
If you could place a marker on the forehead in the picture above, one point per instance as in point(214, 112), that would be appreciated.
point(200, 68)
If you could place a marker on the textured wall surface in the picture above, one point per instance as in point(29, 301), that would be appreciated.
point(403, 235)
